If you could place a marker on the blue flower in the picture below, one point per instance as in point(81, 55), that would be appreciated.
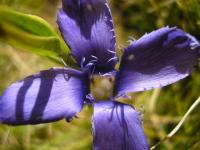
point(155, 60)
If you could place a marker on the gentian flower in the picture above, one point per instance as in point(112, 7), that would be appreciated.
point(155, 60)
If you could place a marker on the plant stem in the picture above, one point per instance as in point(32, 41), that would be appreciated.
point(178, 126)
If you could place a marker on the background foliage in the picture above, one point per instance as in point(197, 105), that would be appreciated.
point(162, 109)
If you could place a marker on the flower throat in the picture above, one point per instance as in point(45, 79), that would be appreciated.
point(101, 87)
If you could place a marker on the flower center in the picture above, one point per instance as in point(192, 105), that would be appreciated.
point(101, 87)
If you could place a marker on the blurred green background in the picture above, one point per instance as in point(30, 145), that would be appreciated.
point(162, 109)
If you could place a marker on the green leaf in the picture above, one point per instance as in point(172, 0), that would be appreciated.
point(33, 34)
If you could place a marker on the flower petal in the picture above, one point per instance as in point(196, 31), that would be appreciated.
point(157, 59)
point(117, 126)
point(87, 27)
point(48, 96)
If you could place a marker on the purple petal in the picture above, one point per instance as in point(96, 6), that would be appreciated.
point(87, 28)
point(117, 126)
point(48, 96)
point(157, 59)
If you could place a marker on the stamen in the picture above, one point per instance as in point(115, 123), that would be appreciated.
point(112, 52)
point(93, 61)
point(89, 64)
point(94, 57)
point(112, 59)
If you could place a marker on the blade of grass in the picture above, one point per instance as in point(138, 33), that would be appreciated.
point(153, 100)
point(178, 126)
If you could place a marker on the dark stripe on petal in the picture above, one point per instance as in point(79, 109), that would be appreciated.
point(157, 59)
point(87, 27)
point(47, 79)
point(116, 126)
point(50, 95)
point(20, 100)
